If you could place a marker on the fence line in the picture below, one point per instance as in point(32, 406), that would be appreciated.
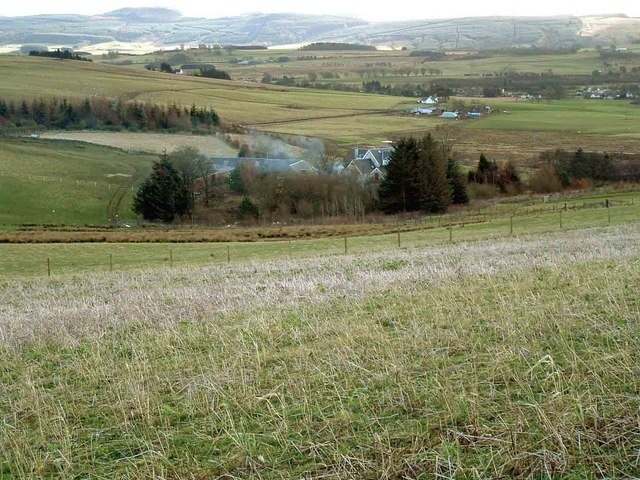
point(46, 178)
point(509, 228)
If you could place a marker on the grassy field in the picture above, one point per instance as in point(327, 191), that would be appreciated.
point(148, 142)
point(239, 102)
point(345, 118)
point(577, 116)
point(359, 66)
point(47, 181)
point(512, 358)
point(17, 260)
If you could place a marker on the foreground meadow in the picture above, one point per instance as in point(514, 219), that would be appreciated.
point(508, 358)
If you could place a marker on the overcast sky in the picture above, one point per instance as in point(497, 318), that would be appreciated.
point(373, 10)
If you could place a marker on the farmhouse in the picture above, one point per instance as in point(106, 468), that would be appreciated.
point(431, 101)
point(371, 163)
point(224, 165)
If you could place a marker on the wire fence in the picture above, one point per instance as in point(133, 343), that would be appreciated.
point(54, 259)
point(69, 181)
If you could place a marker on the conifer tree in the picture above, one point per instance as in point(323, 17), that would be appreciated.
point(399, 189)
point(164, 195)
point(457, 183)
point(433, 186)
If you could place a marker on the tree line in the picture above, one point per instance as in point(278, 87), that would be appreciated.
point(169, 194)
point(562, 169)
point(61, 54)
point(422, 175)
point(103, 113)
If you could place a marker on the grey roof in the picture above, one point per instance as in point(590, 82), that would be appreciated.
point(271, 165)
point(381, 154)
point(365, 167)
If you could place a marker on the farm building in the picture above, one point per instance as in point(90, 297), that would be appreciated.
point(422, 111)
point(450, 115)
point(473, 115)
point(370, 164)
point(430, 101)
point(224, 165)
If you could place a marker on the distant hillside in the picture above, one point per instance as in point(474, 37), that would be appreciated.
point(162, 27)
point(467, 33)
point(146, 15)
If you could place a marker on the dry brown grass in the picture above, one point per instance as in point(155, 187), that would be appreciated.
point(514, 358)
point(205, 235)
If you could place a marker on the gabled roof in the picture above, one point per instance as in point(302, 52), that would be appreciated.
point(365, 168)
point(380, 156)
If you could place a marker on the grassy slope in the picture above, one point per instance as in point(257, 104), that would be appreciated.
point(240, 102)
point(344, 117)
point(77, 184)
point(511, 359)
point(355, 66)
point(31, 259)
point(579, 116)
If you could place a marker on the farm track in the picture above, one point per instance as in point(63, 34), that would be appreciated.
point(324, 117)
point(115, 202)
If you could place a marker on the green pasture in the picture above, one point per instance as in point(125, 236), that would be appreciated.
point(343, 117)
point(580, 116)
point(47, 181)
point(354, 66)
point(31, 259)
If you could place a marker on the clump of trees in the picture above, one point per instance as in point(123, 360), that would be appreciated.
point(275, 197)
point(421, 177)
point(169, 193)
point(504, 177)
point(213, 72)
point(61, 54)
point(102, 113)
point(561, 169)
point(164, 196)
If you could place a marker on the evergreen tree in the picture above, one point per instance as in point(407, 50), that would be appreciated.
point(482, 172)
point(164, 195)
point(457, 183)
point(236, 180)
point(248, 210)
point(399, 189)
point(433, 186)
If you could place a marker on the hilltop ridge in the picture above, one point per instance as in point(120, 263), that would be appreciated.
point(162, 27)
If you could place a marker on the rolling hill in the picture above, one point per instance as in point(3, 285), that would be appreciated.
point(164, 27)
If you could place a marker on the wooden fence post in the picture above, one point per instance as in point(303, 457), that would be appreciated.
point(171, 258)
point(48, 267)
point(111, 262)
point(511, 225)
point(560, 219)
point(346, 247)
point(399, 245)
point(228, 254)
point(450, 233)
point(290, 249)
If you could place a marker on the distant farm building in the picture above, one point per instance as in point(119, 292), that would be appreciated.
point(430, 101)
point(423, 111)
point(450, 115)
